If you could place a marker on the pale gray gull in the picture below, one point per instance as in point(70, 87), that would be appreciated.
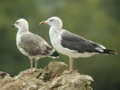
point(32, 45)
point(70, 44)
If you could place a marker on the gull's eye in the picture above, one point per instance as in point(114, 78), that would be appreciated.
point(17, 22)
point(51, 20)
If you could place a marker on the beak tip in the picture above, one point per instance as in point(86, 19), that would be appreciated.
point(42, 22)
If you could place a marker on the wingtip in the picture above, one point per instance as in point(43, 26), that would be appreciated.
point(109, 51)
point(55, 55)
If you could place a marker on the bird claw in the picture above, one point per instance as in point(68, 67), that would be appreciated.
point(31, 70)
point(67, 72)
point(35, 70)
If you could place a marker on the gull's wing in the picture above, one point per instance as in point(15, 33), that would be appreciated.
point(34, 45)
point(79, 44)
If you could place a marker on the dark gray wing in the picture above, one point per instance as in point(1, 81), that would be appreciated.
point(77, 43)
point(34, 45)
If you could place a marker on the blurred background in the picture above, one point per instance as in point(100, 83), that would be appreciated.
point(97, 20)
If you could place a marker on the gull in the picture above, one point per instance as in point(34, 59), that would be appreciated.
point(70, 44)
point(32, 45)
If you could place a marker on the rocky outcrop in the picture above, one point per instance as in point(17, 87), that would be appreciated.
point(51, 77)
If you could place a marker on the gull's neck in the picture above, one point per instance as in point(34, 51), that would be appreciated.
point(56, 28)
point(23, 30)
point(54, 32)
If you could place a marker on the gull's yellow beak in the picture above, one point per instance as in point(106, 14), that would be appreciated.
point(43, 22)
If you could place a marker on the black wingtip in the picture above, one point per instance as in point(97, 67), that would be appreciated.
point(108, 51)
point(55, 54)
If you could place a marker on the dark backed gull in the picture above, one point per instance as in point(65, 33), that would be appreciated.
point(32, 45)
point(71, 44)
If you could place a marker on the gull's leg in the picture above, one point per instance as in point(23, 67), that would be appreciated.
point(71, 62)
point(36, 64)
point(31, 62)
point(70, 66)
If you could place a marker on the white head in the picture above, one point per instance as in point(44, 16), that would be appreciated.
point(21, 24)
point(54, 22)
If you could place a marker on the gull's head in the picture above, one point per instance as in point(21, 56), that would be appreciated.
point(53, 21)
point(21, 24)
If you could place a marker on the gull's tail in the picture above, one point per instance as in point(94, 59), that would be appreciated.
point(54, 55)
point(108, 51)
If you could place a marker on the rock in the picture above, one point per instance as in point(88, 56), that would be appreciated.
point(52, 70)
point(51, 77)
point(5, 78)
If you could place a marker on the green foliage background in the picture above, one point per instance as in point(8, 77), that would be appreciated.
point(97, 20)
